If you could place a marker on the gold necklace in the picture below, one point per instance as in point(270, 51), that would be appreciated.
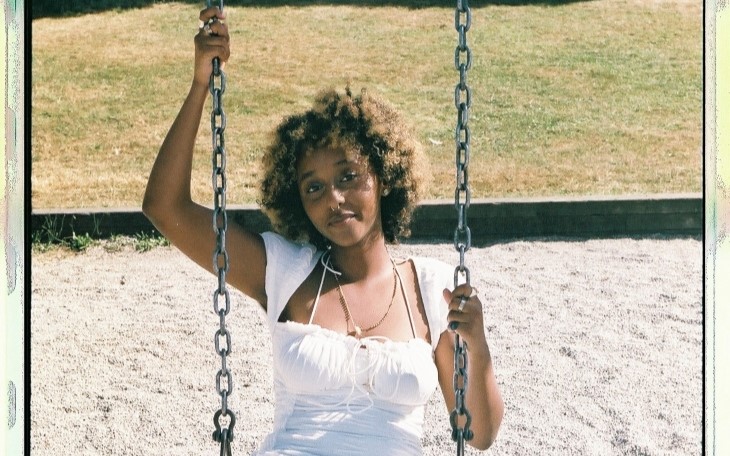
point(346, 309)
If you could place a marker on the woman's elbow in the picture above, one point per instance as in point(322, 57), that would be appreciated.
point(156, 210)
point(149, 206)
point(483, 442)
point(485, 439)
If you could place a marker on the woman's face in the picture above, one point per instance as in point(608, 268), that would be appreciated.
point(340, 195)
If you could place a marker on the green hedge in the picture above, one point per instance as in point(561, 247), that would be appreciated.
point(57, 8)
point(54, 8)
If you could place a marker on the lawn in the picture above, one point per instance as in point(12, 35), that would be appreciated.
point(582, 98)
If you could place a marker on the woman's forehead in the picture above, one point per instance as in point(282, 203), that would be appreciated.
point(345, 150)
point(314, 159)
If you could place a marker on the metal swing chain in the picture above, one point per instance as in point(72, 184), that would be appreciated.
point(462, 233)
point(217, 86)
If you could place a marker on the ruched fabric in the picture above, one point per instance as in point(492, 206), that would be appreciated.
point(339, 395)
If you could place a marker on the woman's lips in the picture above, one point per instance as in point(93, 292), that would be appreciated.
point(340, 217)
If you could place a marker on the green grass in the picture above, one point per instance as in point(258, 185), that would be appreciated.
point(45, 241)
point(599, 97)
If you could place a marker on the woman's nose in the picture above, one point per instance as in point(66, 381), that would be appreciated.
point(335, 196)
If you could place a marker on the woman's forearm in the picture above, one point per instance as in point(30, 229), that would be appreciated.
point(169, 182)
point(483, 399)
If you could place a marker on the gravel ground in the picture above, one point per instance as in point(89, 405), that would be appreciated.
point(597, 346)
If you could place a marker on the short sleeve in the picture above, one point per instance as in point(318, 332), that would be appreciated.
point(433, 277)
point(288, 264)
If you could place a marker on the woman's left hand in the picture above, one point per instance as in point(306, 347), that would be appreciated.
point(483, 399)
point(465, 316)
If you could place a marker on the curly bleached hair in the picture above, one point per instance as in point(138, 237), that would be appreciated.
point(362, 124)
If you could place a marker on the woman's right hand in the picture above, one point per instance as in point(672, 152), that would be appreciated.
point(210, 45)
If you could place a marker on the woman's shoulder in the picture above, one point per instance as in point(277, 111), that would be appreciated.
point(433, 276)
point(288, 264)
point(278, 245)
point(285, 257)
point(431, 267)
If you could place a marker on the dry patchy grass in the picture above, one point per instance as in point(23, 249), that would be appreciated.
point(601, 97)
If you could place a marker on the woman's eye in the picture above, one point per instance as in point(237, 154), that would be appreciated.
point(349, 176)
point(312, 188)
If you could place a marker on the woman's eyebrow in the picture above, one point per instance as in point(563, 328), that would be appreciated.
point(305, 175)
point(342, 162)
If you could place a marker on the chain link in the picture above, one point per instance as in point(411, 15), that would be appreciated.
point(222, 338)
point(462, 233)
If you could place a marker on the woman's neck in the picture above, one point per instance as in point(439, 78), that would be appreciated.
point(361, 261)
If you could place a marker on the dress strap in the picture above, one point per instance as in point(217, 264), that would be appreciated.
point(408, 304)
point(325, 261)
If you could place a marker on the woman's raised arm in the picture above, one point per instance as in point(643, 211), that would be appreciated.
point(167, 200)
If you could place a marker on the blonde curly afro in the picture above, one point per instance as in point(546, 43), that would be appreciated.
point(363, 124)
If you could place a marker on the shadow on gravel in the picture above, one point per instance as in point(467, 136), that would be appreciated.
point(482, 243)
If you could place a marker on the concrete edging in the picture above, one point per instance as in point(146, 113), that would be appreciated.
point(488, 219)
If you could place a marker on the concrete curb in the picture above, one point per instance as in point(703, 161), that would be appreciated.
point(488, 219)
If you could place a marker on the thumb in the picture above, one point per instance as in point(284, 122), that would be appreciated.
point(447, 295)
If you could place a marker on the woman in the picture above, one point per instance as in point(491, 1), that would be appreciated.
point(360, 340)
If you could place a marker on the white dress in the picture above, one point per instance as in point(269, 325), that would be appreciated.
point(338, 395)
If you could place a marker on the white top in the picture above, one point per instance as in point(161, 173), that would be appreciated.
point(339, 395)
